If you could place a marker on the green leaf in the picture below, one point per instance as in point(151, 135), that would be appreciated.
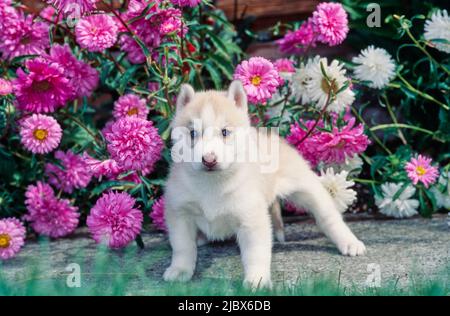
point(215, 75)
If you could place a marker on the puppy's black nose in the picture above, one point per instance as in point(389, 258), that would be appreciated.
point(209, 160)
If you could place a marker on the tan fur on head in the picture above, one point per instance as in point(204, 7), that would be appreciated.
point(232, 104)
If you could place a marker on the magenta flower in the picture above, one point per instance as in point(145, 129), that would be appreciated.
point(157, 214)
point(12, 236)
point(40, 133)
point(43, 89)
point(330, 23)
point(134, 143)
point(342, 143)
point(296, 42)
point(98, 168)
point(292, 208)
point(5, 87)
point(81, 76)
point(48, 13)
point(22, 36)
point(8, 16)
point(305, 146)
point(284, 65)
point(130, 105)
point(114, 220)
point(152, 31)
point(259, 78)
point(96, 32)
point(69, 6)
point(170, 25)
point(73, 173)
point(420, 170)
point(186, 3)
point(47, 214)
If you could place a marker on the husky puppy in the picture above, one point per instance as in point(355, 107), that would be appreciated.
point(220, 196)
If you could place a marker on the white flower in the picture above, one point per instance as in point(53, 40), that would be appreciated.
point(300, 79)
point(352, 165)
point(319, 88)
point(438, 28)
point(374, 65)
point(401, 207)
point(442, 198)
point(338, 186)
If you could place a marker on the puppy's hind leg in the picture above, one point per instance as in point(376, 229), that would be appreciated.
point(312, 194)
point(277, 221)
point(182, 236)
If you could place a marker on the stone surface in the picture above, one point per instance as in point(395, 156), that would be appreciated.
point(397, 247)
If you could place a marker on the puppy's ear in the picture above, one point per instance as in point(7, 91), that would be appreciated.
point(236, 93)
point(185, 96)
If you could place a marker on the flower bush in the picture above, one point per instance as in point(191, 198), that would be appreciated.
point(88, 88)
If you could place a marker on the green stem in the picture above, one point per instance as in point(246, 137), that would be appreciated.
point(283, 109)
point(374, 136)
point(424, 95)
point(365, 181)
point(80, 124)
point(423, 50)
point(394, 118)
point(386, 126)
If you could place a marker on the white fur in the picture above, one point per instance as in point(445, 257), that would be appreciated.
point(235, 199)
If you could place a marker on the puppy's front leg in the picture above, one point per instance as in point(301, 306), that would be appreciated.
point(182, 236)
point(255, 242)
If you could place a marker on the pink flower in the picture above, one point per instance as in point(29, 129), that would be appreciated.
point(296, 42)
point(420, 170)
point(74, 173)
point(22, 36)
point(330, 23)
point(40, 133)
point(340, 144)
point(81, 76)
point(12, 236)
point(259, 78)
point(305, 146)
point(5, 87)
point(78, 6)
point(170, 25)
point(47, 214)
point(114, 220)
point(48, 13)
point(157, 214)
point(186, 3)
point(130, 105)
point(152, 31)
point(43, 89)
point(134, 143)
point(284, 65)
point(8, 16)
point(96, 32)
point(98, 168)
point(285, 68)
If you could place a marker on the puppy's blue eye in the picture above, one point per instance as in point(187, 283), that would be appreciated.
point(194, 133)
point(225, 132)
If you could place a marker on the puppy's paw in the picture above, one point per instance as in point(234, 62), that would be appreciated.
point(178, 274)
point(279, 236)
point(352, 247)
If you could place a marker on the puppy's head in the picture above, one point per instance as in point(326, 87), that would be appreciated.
point(207, 126)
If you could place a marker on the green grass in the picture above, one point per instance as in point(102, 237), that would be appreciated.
point(108, 275)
